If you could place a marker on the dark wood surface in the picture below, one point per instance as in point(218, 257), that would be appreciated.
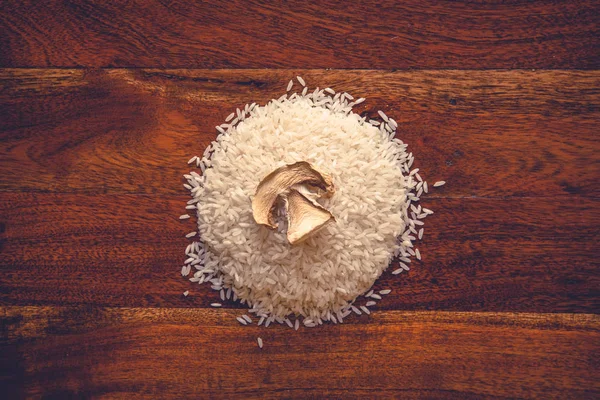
point(490, 133)
point(500, 99)
point(125, 250)
point(140, 352)
point(291, 34)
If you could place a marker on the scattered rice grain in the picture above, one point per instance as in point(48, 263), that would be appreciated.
point(268, 275)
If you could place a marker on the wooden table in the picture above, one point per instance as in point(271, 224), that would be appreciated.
point(102, 104)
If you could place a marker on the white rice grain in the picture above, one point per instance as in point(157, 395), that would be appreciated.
point(375, 187)
point(383, 116)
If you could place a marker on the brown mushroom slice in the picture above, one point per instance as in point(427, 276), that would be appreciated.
point(279, 182)
point(324, 187)
point(304, 217)
point(311, 193)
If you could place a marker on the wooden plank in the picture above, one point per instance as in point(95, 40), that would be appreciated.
point(328, 34)
point(175, 353)
point(516, 254)
point(488, 133)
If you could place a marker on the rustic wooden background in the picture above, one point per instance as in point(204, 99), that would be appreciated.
point(103, 103)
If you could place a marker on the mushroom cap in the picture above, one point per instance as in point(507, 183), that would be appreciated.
point(280, 182)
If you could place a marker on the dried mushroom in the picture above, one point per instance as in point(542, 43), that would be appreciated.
point(297, 186)
point(304, 217)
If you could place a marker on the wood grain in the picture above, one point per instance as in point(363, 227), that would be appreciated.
point(488, 133)
point(102, 104)
point(518, 254)
point(290, 34)
point(141, 352)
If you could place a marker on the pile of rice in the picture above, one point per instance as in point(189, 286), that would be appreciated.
point(321, 278)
